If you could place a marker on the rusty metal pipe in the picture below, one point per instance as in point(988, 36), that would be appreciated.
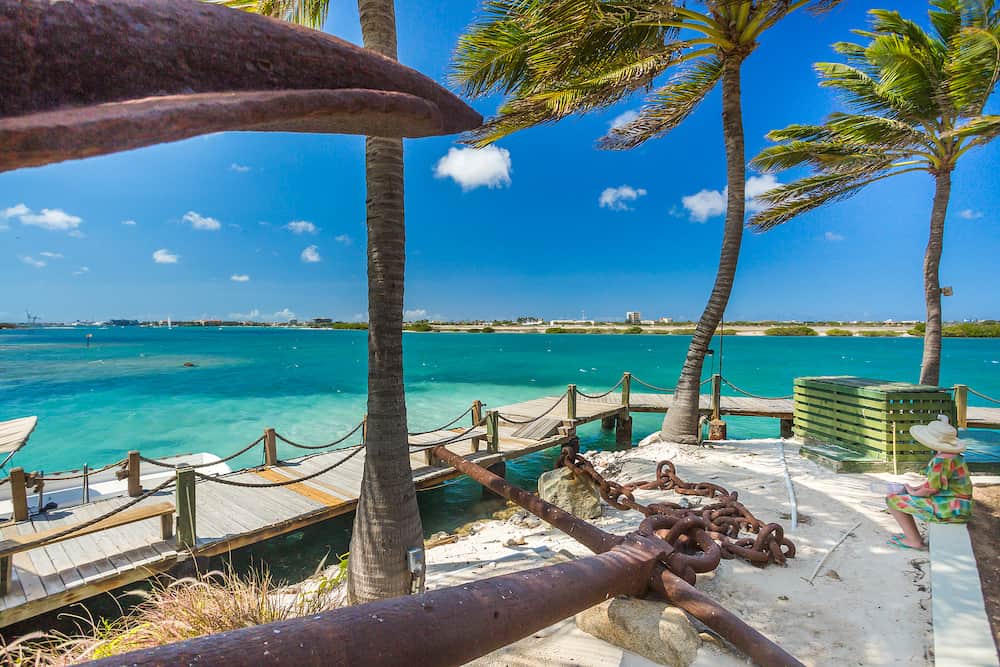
point(450, 626)
point(91, 77)
point(585, 533)
point(672, 587)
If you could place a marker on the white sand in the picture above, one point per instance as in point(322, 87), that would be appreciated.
point(869, 605)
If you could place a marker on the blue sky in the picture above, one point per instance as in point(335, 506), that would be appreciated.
point(226, 225)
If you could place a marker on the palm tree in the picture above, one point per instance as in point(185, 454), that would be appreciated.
point(917, 101)
point(387, 521)
point(554, 58)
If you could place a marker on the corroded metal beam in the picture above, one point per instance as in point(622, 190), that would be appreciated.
point(90, 77)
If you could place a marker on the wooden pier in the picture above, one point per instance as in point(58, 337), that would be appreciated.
point(256, 504)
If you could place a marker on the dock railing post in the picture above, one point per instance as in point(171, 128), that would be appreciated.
point(364, 429)
point(717, 427)
point(185, 503)
point(961, 406)
point(19, 494)
point(626, 389)
point(493, 431)
point(270, 447)
point(477, 418)
point(571, 401)
point(134, 484)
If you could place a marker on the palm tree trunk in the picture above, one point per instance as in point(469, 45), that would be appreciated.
point(387, 522)
point(681, 422)
point(930, 366)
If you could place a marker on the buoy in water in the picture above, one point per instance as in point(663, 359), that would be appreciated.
point(189, 364)
point(88, 337)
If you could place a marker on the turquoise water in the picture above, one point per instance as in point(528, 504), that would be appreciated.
point(130, 390)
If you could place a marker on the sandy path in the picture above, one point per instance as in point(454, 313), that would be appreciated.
point(868, 606)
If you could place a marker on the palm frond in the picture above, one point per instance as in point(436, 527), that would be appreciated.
point(668, 107)
point(310, 13)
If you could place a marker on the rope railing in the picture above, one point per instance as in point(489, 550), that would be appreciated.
point(510, 420)
point(80, 475)
point(983, 396)
point(653, 386)
point(448, 425)
point(747, 393)
point(339, 440)
point(270, 485)
point(459, 436)
point(164, 464)
point(595, 396)
point(49, 539)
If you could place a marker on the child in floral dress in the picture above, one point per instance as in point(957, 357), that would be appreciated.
point(946, 494)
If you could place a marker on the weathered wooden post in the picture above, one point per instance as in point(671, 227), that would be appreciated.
point(364, 429)
point(623, 427)
point(787, 430)
point(961, 406)
point(717, 427)
point(493, 431)
point(185, 502)
point(19, 494)
point(477, 418)
point(134, 484)
point(270, 447)
point(571, 401)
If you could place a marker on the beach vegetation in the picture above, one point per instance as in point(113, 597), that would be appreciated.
point(916, 103)
point(175, 610)
point(917, 329)
point(387, 521)
point(879, 333)
point(973, 330)
point(799, 330)
point(565, 330)
point(555, 58)
point(422, 326)
point(633, 330)
point(839, 332)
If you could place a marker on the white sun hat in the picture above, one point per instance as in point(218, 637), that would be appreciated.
point(939, 435)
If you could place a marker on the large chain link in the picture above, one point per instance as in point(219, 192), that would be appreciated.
point(726, 522)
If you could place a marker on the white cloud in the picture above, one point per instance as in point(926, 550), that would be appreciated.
point(475, 167)
point(252, 315)
point(970, 214)
point(311, 255)
point(705, 204)
point(710, 203)
point(239, 168)
point(343, 238)
point(77, 234)
point(201, 222)
point(164, 256)
point(301, 227)
point(624, 118)
point(284, 314)
point(82, 270)
point(240, 278)
point(833, 236)
point(31, 261)
point(52, 219)
point(616, 198)
point(129, 223)
point(415, 314)
point(51, 255)
point(360, 317)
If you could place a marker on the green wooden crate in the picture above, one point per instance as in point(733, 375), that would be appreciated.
point(870, 417)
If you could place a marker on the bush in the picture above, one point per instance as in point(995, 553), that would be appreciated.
point(419, 326)
point(918, 329)
point(839, 332)
point(790, 331)
point(564, 330)
point(683, 332)
point(633, 330)
point(972, 330)
point(488, 330)
point(879, 333)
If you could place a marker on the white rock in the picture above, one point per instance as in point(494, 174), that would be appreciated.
point(655, 630)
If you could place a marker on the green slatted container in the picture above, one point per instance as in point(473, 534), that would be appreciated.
point(855, 424)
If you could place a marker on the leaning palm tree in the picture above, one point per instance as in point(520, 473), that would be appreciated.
point(917, 101)
point(555, 58)
point(387, 522)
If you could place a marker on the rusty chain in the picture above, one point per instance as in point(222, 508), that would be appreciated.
point(686, 528)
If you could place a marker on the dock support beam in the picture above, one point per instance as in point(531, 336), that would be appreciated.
point(717, 427)
point(608, 423)
point(185, 503)
point(786, 428)
point(134, 485)
point(623, 429)
point(571, 401)
point(19, 494)
point(270, 447)
point(493, 431)
point(961, 406)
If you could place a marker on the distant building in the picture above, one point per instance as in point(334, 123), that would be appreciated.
point(633, 317)
point(555, 323)
point(322, 320)
point(647, 322)
point(666, 320)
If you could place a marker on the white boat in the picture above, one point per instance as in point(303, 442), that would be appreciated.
point(106, 484)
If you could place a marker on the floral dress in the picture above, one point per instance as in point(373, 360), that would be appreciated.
point(948, 478)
